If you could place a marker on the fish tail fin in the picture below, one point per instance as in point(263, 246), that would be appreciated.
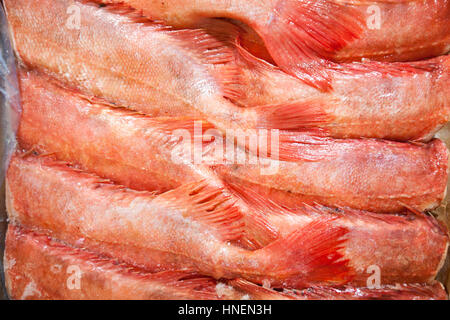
point(293, 115)
point(302, 36)
point(311, 255)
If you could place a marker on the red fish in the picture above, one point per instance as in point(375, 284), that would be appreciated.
point(432, 291)
point(40, 268)
point(368, 100)
point(303, 36)
point(191, 227)
point(379, 30)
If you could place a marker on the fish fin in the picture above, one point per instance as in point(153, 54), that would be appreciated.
point(202, 287)
point(216, 207)
point(301, 145)
point(311, 145)
point(302, 36)
point(209, 206)
point(313, 251)
point(257, 292)
point(222, 30)
point(192, 125)
point(292, 115)
point(386, 69)
point(435, 224)
point(255, 200)
point(207, 48)
point(220, 56)
point(250, 60)
point(258, 231)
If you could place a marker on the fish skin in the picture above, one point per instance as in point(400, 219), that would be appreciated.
point(134, 63)
point(395, 101)
point(190, 227)
point(30, 256)
point(299, 50)
point(400, 37)
point(359, 167)
point(410, 30)
point(40, 95)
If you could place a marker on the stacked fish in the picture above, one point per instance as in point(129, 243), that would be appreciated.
point(119, 98)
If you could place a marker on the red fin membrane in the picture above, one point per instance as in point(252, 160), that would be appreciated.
point(293, 115)
point(313, 250)
point(392, 69)
point(207, 205)
point(303, 35)
point(217, 209)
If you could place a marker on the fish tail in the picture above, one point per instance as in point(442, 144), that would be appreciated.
point(310, 256)
point(302, 36)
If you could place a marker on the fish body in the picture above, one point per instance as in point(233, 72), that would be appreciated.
point(191, 227)
point(395, 101)
point(39, 268)
point(142, 162)
point(352, 173)
point(406, 246)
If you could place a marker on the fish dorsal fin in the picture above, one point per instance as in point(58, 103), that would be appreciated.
point(209, 206)
point(295, 115)
point(386, 69)
point(206, 47)
point(217, 55)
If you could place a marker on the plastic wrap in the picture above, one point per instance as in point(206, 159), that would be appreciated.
point(10, 110)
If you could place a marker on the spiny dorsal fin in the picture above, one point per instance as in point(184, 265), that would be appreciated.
point(208, 205)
